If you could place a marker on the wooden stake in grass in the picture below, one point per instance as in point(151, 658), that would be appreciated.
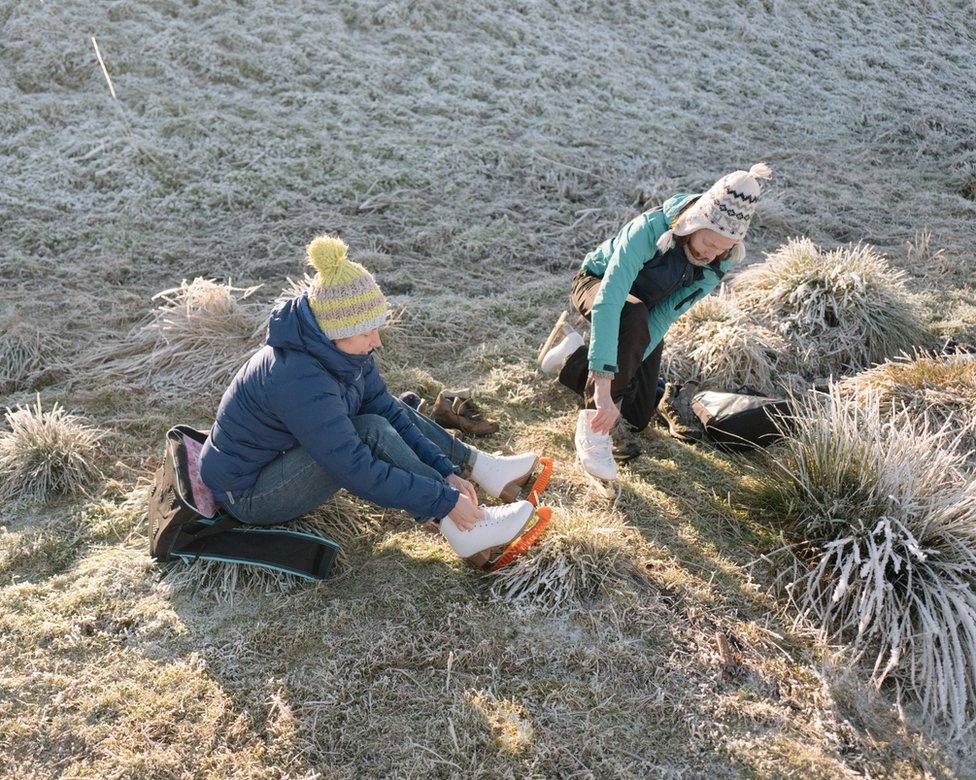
point(727, 656)
point(108, 79)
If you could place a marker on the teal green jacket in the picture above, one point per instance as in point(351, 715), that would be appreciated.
point(618, 260)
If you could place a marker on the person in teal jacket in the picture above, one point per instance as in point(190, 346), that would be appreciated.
point(632, 288)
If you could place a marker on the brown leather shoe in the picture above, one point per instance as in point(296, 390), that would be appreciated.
point(455, 409)
point(675, 409)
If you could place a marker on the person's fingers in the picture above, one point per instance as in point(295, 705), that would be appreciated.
point(465, 488)
point(602, 421)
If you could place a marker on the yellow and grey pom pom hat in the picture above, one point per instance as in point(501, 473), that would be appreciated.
point(344, 297)
point(727, 207)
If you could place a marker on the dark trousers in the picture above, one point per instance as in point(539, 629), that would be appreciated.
point(634, 386)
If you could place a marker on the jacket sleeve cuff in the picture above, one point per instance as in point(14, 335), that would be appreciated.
point(446, 503)
point(598, 366)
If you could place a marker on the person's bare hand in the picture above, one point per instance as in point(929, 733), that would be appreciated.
point(466, 513)
point(606, 410)
point(463, 486)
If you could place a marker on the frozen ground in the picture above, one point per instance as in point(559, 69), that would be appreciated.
point(470, 154)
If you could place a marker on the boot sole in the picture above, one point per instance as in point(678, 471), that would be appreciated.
point(553, 335)
point(513, 490)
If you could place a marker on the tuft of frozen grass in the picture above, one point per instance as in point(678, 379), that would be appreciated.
point(841, 310)
point(295, 288)
point(579, 555)
point(881, 516)
point(940, 389)
point(45, 454)
point(923, 257)
point(198, 336)
point(716, 344)
point(25, 350)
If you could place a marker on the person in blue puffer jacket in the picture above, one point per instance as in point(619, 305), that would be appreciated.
point(309, 414)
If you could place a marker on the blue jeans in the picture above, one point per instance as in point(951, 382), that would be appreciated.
point(294, 483)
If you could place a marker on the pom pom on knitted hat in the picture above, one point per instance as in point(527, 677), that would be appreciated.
point(327, 255)
point(761, 171)
point(344, 297)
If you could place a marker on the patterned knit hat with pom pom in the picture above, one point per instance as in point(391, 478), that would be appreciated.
point(727, 207)
point(344, 297)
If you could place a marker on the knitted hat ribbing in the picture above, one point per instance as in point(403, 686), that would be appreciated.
point(728, 206)
point(344, 297)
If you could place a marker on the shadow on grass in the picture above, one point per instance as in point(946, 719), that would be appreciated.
point(686, 501)
point(408, 652)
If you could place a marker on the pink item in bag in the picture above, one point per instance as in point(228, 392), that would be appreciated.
point(203, 498)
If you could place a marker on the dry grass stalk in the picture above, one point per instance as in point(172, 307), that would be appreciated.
point(198, 336)
point(882, 513)
point(924, 257)
point(46, 453)
point(841, 311)
point(295, 288)
point(578, 555)
point(716, 344)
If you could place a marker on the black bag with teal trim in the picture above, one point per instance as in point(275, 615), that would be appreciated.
point(185, 522)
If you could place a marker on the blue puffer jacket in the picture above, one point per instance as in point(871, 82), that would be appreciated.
point(300, 390)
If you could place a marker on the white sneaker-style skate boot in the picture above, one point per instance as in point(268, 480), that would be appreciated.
point(499, 526)
point(502, 476)
point(595, 450)
point(563, 341)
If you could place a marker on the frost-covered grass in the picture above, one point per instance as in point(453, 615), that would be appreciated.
point(46, 453)
point(938, 389)
point(26, 349)
point(579, 556)
point(197, 336)
point(470, 154)
point(718, 345)
point(880, 512)
point(840, 310)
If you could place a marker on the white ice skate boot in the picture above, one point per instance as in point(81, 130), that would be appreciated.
point(595, 450)
point(499, 526)
point(563, 341)
point(502, 476)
